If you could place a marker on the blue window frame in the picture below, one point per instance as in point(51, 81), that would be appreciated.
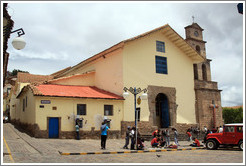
point(160, 46)
point(161, 64)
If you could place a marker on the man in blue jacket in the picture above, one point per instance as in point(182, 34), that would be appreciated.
point(104, 133)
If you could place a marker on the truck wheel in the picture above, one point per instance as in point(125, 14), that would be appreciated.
point(240, 145)
point(211, 145)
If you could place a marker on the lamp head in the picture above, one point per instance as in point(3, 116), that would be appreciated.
point(18, 43)
point(144, 96)
point(125, 95)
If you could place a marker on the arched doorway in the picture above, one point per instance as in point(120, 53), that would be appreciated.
point(162, 111)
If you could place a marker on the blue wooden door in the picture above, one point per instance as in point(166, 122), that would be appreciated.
point(164, 113)
point(53, 127)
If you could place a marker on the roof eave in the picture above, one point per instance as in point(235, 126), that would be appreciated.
point(40, 95)
point(174, 37)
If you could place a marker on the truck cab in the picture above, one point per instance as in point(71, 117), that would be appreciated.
point(232, 135)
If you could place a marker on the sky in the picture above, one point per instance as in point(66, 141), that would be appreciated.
point(59, 35)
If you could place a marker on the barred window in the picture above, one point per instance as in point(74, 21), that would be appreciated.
point(160, 46)
point(108, 110)
point(81, 109)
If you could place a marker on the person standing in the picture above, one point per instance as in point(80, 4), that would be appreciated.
point(104, 133)
point(77, 130)
point(221, 129)
point(128, 130)
point(205, 129)
point(167, 137)
point(189, 135)
point(175, 136)
point(133, 136)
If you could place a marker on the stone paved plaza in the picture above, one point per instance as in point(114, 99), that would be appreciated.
point(26, 149)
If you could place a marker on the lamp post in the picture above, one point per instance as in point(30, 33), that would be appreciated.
point(135, 92)
point(19, 43)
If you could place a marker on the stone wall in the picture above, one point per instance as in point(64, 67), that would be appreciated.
point(153, 91)
point(205, 94)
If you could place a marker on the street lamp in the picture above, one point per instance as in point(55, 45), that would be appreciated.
point(135, 92)
point(19, 43)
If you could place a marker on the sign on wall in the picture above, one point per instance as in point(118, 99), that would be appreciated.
point(45, 101)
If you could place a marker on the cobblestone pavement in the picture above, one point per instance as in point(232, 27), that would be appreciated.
point(26, 149)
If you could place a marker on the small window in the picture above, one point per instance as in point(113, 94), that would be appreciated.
point(23, 105)
point(41, 106)
point(54, 108)
point(160, 46)
point(229, 129)
point(198, 49)
point(81, 109)
point(195, 71)
point(161, 64)
point(239, 129)
point(108, 110)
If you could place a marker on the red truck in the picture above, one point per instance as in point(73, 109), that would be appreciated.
point(232, 135)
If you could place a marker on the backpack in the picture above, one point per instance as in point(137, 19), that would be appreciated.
point(103, 127)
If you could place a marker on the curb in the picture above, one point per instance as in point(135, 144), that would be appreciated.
point(133, 151)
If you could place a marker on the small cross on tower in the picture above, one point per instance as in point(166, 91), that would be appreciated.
point(193, 18)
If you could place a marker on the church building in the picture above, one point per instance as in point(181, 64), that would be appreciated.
point(175, 72)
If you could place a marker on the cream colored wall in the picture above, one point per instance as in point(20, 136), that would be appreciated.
point(15, 105)
point(28, 115)
point(108, 72)
point(82, 80)
point(140, 71)
point(67, 110)
point(4, 104)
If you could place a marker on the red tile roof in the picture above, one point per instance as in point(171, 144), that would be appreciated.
point(73, 91)
point(31, 78)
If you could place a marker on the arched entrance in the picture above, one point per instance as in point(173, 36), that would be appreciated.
point(162, 111)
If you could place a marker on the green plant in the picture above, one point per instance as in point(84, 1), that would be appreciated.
point(233, 115)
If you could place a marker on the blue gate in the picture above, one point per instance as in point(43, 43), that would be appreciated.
point(53, 127)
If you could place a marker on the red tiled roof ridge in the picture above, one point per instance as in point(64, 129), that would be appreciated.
point(30, 78)
point(76, 91)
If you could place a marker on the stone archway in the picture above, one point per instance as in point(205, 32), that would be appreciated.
point(170, 93)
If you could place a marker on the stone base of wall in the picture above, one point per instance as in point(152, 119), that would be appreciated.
point(34, 131)
point(144, 127)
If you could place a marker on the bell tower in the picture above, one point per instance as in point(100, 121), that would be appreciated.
point(194, 38)
point(206, 91)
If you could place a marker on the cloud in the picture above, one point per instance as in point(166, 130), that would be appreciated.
point(59, 35)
